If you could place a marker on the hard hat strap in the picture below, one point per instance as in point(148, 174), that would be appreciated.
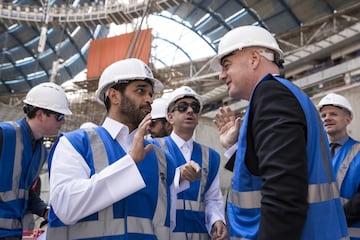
point(273, 57)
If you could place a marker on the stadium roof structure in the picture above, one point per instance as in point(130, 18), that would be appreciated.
point(48, 40)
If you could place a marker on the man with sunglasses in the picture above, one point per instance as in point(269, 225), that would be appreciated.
point(283, 185)
point(200, 209)
point(22, 155)
point(109, 182)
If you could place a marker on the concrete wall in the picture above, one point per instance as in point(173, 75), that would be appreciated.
point(208, 134)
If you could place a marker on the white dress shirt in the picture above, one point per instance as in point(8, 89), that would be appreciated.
point(213, 199)
point(74, 194)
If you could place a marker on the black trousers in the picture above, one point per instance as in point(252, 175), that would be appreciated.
point(10, 238)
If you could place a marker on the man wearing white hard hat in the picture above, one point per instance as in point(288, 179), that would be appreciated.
point(22, 155)
point(109, 182)
point(159, 126)
point(283, 186)
point(88, 125)
point(200, 209)
point(336, 113)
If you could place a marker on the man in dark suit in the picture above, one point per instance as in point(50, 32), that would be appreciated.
point(282, 165)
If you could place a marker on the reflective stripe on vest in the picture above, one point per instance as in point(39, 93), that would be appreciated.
point(346, 163)
point(15, 192)
point(189, 236)
point(354, 232)
point(189, 204)
point(107, 225)
point(7, 223)
point(343, 169)
point(252, 199)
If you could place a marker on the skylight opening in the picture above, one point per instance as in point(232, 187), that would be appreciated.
point(236, 15)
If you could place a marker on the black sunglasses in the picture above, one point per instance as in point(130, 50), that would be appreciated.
point(154, 121)
point(58, 116)
point(183, 106)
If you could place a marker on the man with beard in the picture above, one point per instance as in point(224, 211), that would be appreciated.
point(108, 182)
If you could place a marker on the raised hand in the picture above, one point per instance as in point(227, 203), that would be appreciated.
point(138, 151)
point(228, 126)
point(190, 171)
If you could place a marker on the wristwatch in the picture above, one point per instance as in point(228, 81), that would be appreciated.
point(46, 210)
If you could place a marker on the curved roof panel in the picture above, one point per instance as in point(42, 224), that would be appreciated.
point(71, 25)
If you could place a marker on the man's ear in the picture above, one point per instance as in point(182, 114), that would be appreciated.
point(39, 114)
point(255, 59)
point(348, 118)
point(114, 96)
point(170, 118)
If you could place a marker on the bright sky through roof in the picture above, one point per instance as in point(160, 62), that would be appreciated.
point(167, 35)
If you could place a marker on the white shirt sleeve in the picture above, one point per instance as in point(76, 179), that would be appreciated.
point(228, 153)
point(74, 194)
point(173, 199)
point(214, 204)
point(180, 186)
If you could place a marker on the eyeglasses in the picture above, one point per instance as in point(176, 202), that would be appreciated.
point(59, 116)
point(154, 121)
point(183, 106)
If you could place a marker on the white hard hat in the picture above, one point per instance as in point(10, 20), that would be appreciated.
point(159, 108)
point(88, 125)
point(182, 92)
point(122, 71)
point(48, 96)
point(335, 100)
point(242, 37)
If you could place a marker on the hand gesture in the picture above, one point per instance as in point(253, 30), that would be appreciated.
point(190, 171)
point(218, 230)
point(228, 126)
point(138, 151)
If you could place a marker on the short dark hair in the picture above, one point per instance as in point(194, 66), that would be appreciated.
point(30, 110)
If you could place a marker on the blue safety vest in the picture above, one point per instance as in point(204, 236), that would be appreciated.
point(144, 214)
point(19, 166)
point(325, 217)
point(346, 163)
point(190, 208)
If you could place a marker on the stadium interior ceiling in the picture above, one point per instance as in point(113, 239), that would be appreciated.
point(48, 40)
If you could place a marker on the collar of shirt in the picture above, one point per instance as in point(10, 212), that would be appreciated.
point(342, 140)
point(120, 132)
point(181, 142)
point(34, 141)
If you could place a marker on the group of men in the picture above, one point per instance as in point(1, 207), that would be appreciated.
point(113, 182)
